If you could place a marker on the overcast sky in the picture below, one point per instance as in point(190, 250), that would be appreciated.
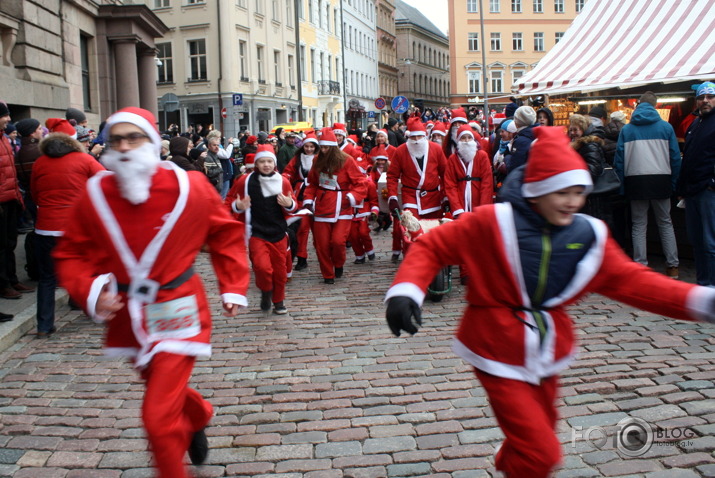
point(434, 10)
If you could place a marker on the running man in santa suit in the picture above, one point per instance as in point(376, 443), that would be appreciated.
point(419, 165)
point(536, 256)
point(126, 256)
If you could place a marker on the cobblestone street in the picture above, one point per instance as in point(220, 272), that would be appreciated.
point(328, 392)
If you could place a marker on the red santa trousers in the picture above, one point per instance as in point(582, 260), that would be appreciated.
point(172, 412)
point(269, 265)
point(306, 223)
point(360, 238)
point(329, 239)
point(527, 415)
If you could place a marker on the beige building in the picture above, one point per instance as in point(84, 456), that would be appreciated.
point(91, 55)
point(517, 34)
point(386, 53)
point(229, 64)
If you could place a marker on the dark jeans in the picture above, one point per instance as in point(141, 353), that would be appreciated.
point(8, 242)
point(47, 283)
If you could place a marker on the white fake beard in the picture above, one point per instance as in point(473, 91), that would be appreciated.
point(467, 150)
point(418, 148)
point(453, 133)
point(437, 139)
point(306, 160)
point(271, 185)
point(134, 175)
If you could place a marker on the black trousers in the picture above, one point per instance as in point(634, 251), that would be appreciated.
point(9, 212)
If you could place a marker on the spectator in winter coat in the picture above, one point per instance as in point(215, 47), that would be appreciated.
point(30, 135)
point(287, 151)
point(590, 147)
point(179, 151)
point(611, 131)
point(544, 117)
point(525, 122)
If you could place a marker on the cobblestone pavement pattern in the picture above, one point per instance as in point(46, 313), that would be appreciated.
point(328, 392)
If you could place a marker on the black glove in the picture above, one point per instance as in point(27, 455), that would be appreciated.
point(400, 311)
point(393, 204)
point(373, 217)
point(446, 207)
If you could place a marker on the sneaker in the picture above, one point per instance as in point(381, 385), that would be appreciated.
point(395, 258)
point(672, 272)
point(339, 272)
point(9, 293)
point(329, 281)
point(359, 261)
point(266, 301)
point(301, 264)
point(371, 257)
point(199, 447)
point(22, 288)
point(279, 308)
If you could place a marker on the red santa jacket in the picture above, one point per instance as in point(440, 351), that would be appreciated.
point(240, 190)
point(326, 192)
point(149, 249)
point(297, 176)
point(468, 185)
point(369, 205)
point(9, 188)
point(492, 334)
point(422, 189)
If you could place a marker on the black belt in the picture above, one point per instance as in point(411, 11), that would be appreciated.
point(420, 189)
point(172, 284)
point(470, 178)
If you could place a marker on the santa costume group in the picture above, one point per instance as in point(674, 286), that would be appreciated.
point(536, 255)
point(126, 256)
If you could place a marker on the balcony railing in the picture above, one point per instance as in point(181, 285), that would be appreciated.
point(328, 87)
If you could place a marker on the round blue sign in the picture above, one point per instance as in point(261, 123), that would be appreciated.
point(400, 104)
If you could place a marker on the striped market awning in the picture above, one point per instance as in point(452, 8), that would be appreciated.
point(627, 43)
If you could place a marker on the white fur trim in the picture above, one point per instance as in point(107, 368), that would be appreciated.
point(341, 132)
point(310, 140)
point(460, 119)
point(231, 298)
point(264, 154)
point(97, 285)
point(700, 302)
point(179, 347)
point(406, 289)
point(140, 121)
point(470, 133)
point(328, 143)
point(41, 232)
point(439, 132)
point(352, 199)
point(557, 182)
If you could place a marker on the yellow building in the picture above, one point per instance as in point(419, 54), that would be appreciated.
point(517, 34)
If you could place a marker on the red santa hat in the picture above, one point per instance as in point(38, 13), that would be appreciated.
point(475, 126)
point(459, 115)
point(353, 139)
point(429, 125)
point(379, 152)
point(339, 128)
point(465, 129)
point(311, 138)
point(497, 119)
point(60, 125)
point(250, 161)
point(327, 137)
point(140, 117)
point(415, 127)
point(439, 128)
point(383, 132)
point(553, 164)
point(251, 139)
point(265, 151)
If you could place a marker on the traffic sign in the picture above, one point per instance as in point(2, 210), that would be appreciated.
point(224, 113)
point(237, 99)
point(400, 104)
point(371, 114)
point(380, 103)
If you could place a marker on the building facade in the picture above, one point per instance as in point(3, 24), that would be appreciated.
point(89, 55)
point(422, 59)
point(361, 58)
point(227, 64)
point(321, 62)
point(517, 34)
point(388, 73)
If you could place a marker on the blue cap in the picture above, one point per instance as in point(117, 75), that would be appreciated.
point(707, 88)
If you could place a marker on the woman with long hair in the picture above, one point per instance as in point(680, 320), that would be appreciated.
point(335, 187)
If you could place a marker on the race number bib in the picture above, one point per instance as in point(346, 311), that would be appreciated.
point(176, 319)
point(326, 181)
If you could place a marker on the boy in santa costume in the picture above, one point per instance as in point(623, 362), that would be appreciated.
point(359, 236)
point(126, 256)
point(381, 138)
point(335, 187)
point(262, 200)
point(419, 164)
point(439, 131)
point(380, 162)
point(536, 256)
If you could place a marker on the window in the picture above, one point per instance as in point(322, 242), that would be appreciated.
point(558, 6)
point(259, 7)
point(242, 62)
point(516, 75)
point(539, 41)
point(311, 12)
point(327, 17)
point(313, 72)
point(474, 78)
point(515, 6)
point(494, 6)
point(162, 3)
point(319, 12)
point(301, 11)
point(497, 81)
point(329, 64)
point(538, 6)
point(472, 6)
point(194, 2)
point(277, 67)
point(259, 62)
point(84, 59)
point(302, 62)
point(166, 70)
point(291, 73)
point(473, 42)
point(275, 7)
point(559, 36)
point(496, 41)
point(289, 13)
point(516, 42)
point(241, 3)
point(336, 18)
point(579, 5)
point(197, 60)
